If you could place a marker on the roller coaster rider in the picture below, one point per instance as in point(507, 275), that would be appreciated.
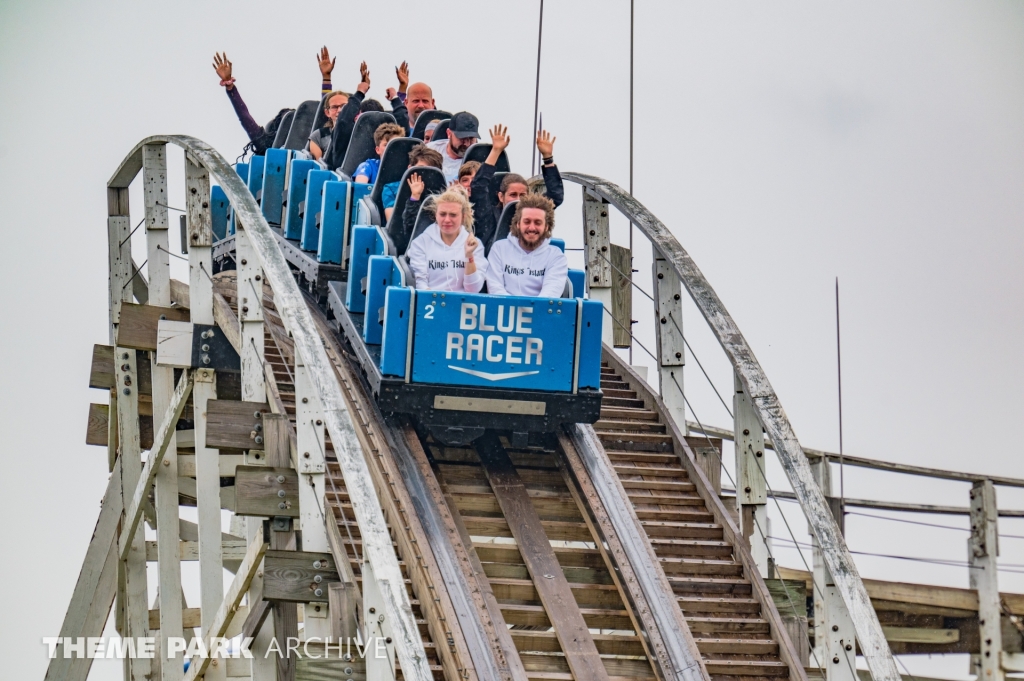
point(447, 256)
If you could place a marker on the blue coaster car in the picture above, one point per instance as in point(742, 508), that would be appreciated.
point(463, 362)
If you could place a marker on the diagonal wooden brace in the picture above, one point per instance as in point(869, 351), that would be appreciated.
point(161, 440)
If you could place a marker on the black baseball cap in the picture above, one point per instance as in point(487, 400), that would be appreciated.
point(463, 125)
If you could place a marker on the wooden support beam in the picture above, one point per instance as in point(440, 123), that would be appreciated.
point(101, 371)
point(233, 424)
point(573, 634)
point(98, 429)
point(622, 295)
point(232, 599)
point(156, 457)
point(266, 491)
point(94, 591)
point(138, 325)
point(982, 555)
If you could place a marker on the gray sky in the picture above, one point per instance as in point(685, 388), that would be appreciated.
point(784, 144)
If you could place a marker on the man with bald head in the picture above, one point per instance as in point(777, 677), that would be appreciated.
point(418, 98)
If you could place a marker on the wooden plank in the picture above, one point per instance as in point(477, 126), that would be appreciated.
point(292, 576)
point(709, 458)
point(137, 328)
point(920, 635)
point(229, 463)
point(156, 456)
point(232, 424)
point(266, 491)
point(622, 296)
point(225, 318)
point(93, 594)
point(98, 430)
point(179, 293)
point(233, 550)
point(573, 634)
point(101, 371)
point(232, 600)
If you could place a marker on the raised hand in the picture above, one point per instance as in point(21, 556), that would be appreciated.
point(416, 186)
point(364, 73)
point(390, 93)
point(499, 138)
point(222, 66)
point(325, 62)
point(545, 143)
point(403, 76)
point(471, 243)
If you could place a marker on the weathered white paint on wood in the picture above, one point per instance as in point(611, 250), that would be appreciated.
point(982, 554)
point(173, 344)
point(671, 350)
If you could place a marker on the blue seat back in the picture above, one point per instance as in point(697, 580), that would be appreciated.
point(578, 279)
point(255, 180)
point(272, 193)
point(312, 203)
point(243, 172)
point(337, 215)
point(367, 241)
point(295, 206)
point(502, 228)
point(219, 211)
point(383, 271)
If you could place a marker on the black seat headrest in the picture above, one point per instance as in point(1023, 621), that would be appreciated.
point(504, 224)
point(423, 121)
point(282, 130)
point(302, 125)
point(479, 153)
point(361, 146)
point(424, 218)
point(441, 131)
point(321, 115)
point(392, 167)
point(433, 183)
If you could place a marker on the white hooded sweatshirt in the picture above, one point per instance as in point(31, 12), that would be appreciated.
point(512, 271)
point(440, 267)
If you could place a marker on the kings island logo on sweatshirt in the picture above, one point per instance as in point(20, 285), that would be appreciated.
point(445, 264)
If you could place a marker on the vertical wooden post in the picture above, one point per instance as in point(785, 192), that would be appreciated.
point(751, 486)
point(250, 315)
point(249, 280)
point(312, 466)
point(835, 647)
point(154, 178)
point(132, 594)
point(982, 553)
point(597, 239)
point(671, 348)
point(622, 296)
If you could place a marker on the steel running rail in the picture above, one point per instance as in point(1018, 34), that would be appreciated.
point(838, 559)
point(377, 548)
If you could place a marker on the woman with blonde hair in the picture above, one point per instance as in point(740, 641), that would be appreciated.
point(446, 256)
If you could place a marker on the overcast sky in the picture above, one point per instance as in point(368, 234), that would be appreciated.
point(784, 144)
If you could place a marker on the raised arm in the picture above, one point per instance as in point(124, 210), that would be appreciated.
point(552, 178)
point(326, 65)
point(222, 65)
point(499, 141)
